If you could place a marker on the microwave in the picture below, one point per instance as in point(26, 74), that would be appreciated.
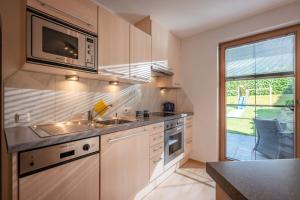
point(53, 42)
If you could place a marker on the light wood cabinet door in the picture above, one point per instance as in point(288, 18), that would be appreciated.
point(113, 41)
point(156, 166)
point(76, 180)
point(166, 52)
point(174, 48)
point(159, 43)
point(140, 55)
point(82, 13)
point(124, 164)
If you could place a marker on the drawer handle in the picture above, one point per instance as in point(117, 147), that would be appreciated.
point(188, 142)
point(157, 161)
point(157, 138)
point(62, 12)
point(123, 138)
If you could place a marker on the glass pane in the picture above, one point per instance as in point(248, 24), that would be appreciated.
point(240, 92)
point(260, 110)
point(244, 112)
point(270, 56)
point(275, 132)
point(275, 91)
point(175, 143)
point(59, 43)
point(240, 139)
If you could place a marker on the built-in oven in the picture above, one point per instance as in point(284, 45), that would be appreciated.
point(174, 139)
point(57, 43)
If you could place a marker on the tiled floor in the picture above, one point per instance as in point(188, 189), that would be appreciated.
point(190, 182)
point(240, 147)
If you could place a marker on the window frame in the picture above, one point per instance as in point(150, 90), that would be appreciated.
point(222, 81)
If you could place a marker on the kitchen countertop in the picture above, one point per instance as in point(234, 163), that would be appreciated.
point(24, 138)
point(258, 180)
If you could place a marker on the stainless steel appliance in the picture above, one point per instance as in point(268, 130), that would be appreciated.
point(174, 138)
point(64, 171)
point(44, 158)
point(57, 43)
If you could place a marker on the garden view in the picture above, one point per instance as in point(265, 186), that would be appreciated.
point(264, 99)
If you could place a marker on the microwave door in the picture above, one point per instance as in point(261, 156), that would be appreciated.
point(52, 42)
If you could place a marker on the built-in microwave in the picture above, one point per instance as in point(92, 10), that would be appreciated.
point(51, 41)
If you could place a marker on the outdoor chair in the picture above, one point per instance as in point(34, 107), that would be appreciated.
point(273, 140)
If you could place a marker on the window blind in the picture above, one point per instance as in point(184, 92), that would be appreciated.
point(273, 56)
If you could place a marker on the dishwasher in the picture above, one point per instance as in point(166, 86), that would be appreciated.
point(68, 171)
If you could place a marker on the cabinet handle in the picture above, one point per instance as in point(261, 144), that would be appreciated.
point(62, 12)
point(154, 150)
point(125, 137)
point(190, 141)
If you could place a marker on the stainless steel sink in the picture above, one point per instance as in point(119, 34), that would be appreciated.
point(47, 130)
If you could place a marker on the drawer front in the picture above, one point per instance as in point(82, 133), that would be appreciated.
point(156, 150)
point(155, 128)
point(108, 139)
point(156, 166)
point(156, 139)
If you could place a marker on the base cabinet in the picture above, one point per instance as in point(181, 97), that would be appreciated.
point(188, 139)
point(76, 180)
point(124, 164)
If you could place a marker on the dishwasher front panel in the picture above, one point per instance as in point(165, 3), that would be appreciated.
point(46, 157)
point(77, 180)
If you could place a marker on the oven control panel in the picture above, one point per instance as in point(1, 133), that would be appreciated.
point(169, 124)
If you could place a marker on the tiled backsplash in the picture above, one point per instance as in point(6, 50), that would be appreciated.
point(49, 98)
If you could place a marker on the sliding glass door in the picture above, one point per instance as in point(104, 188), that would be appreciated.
point(259, 101)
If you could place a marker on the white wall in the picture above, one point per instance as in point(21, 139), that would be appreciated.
point(200, 74)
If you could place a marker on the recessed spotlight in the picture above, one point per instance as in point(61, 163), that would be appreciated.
point(72, 77)
point(163, 90)
point(113, 82)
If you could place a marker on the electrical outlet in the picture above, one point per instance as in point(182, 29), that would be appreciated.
point(126, 110)
point(22, 117)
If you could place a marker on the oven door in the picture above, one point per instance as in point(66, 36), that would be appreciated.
point(173, 143)
point(56, 43)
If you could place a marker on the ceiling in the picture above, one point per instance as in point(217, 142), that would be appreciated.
point(189, 17)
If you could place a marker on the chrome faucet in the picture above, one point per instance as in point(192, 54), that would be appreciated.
point(91, 117)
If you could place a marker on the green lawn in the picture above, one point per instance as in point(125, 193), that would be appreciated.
point(246, 125)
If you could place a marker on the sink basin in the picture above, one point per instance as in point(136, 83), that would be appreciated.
point(114, 122)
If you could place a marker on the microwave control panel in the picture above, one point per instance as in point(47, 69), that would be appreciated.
point(90, 52)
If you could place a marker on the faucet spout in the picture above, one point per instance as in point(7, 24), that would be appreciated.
point(91, 117)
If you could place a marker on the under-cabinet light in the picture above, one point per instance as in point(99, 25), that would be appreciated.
point(72, 77)
point(113, 82)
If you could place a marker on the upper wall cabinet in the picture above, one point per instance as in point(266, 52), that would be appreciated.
point(113, 45)
point(140, 55)
point(159, 44)
point(81, 13)
point(174, 47)
point(165, 52)
point(159, 41)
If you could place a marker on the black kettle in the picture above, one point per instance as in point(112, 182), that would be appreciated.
point(168, 107)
